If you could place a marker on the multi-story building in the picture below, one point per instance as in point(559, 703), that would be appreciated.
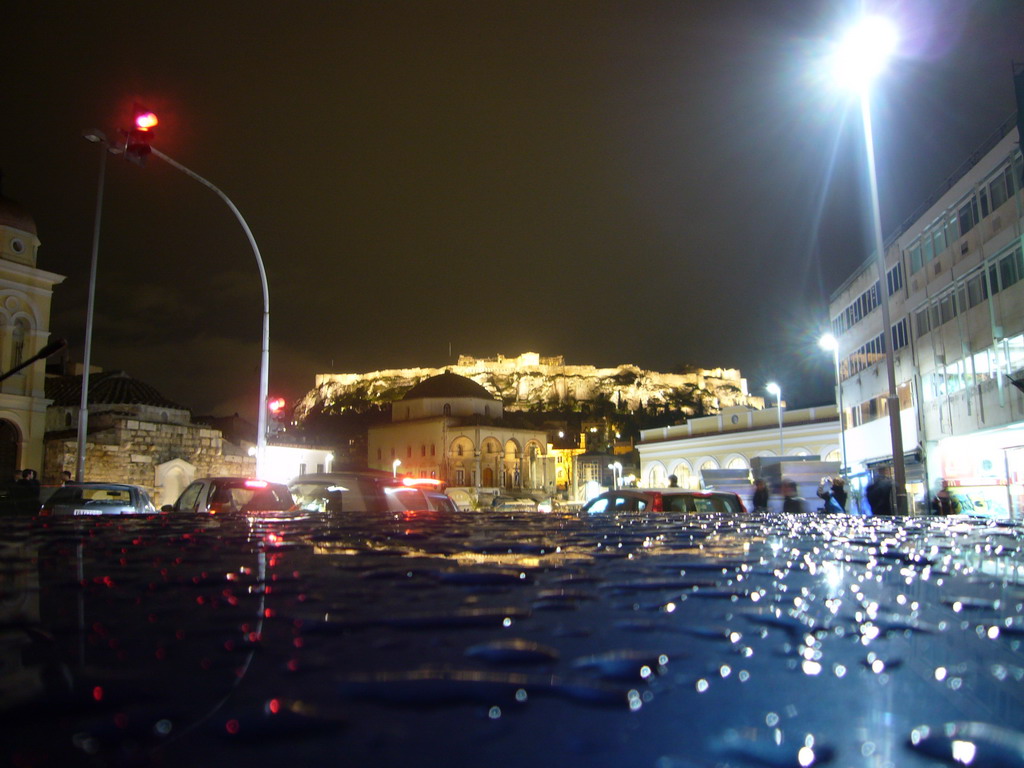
point(955, 287)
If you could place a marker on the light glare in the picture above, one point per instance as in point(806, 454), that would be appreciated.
point(864, 51)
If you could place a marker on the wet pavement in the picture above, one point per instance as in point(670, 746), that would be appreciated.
point(530, 639)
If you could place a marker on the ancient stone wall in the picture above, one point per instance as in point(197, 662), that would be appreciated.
point(131, 450)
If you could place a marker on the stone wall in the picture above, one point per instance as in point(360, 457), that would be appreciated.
point(131, 450)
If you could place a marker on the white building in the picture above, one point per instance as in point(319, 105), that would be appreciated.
point(733, 439)
point(955, 286)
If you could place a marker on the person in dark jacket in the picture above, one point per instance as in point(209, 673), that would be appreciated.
point(879, 493)
point(792, 503)
point(944, 503)
point(759, 501)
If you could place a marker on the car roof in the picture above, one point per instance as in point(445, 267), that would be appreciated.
point(321, 477)
point(99, 484)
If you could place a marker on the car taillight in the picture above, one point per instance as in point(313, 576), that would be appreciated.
point(256, 483)
point(657, 504)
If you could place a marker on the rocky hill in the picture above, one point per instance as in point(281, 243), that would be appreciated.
point(531, 382)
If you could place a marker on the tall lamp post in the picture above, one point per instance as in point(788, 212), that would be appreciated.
point(616, 468)
point(261, 425)
point(394, 467)
point(829, 343)
point(775, 389)
point(97, 137)
point(860, 57)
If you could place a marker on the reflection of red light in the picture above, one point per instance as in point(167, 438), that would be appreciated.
point(232, 726)
point(418, 481)
point(97, 693)
point(274, 705)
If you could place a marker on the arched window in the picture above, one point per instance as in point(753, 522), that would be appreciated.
point(67, 419)
point(447, 409)
point(18, 334)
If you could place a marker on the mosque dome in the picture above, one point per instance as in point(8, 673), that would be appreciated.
point(448, 385)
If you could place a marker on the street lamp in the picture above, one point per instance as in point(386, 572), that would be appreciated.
point(616, 467)
point(829, 343)
point(97, 137)
point(394, 467)
point(860, 57)
point(774, 389)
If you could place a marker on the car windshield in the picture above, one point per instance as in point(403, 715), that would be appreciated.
point(348, 493)
point(243, 497)
point(688, 502)
point(95, 496)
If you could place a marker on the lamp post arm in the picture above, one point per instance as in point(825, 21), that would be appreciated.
point(261, 426)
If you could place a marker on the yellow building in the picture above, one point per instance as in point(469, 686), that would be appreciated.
point(25, 296)
point(450, 428)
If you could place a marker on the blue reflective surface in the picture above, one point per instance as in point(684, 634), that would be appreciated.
point(512, 639)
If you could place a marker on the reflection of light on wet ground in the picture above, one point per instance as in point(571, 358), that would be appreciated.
point(543, 639)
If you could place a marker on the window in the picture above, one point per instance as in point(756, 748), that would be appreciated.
point(408, 451)
point(1011, 269)
point(915, 258)
point(900, 334)
point(939, 240)
point(379, 457)
point(460, 474)
point(967, 216)
point(423, 450)
point(921, 321)
point(1001, 188)
point(433, 450)
point(947, 308)
point(927, 249)
point(458, 450)
point(983, 199)
point(977, 290)
point(894, 278)
point(18, 334)
point(302, 469)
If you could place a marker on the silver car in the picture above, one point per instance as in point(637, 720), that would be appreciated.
point(88, 499)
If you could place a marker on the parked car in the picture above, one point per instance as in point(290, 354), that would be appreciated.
point(358, 491)
point(86, 499)
point(513, 504)
point(664, 500)
point(213, 495)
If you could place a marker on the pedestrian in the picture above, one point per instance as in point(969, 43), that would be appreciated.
point(879, 493)
point(65, 477)
point(673, 481)
point(832, 491)
point(945, 503)
point(30, 485)
point(792, 503)
point(759, 500)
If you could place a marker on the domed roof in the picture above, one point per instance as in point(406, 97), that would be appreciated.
point(106, 388)
point(448, 384)
point(15, 215)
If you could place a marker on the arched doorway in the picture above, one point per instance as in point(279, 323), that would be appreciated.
point(10, 436)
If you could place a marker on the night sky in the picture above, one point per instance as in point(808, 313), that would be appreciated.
point(657, 183)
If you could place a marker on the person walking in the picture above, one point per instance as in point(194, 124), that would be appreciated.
point(759, 501)
point(833, 492)
point(879, 493)
point(792, 503)
point(944, 503)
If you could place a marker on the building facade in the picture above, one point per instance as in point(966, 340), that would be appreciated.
point(734, 440)
point(955, 287)
point(25, 296)
point(450, 428)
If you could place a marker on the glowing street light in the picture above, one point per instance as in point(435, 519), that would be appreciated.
point(859, 58)
point(616, 468)
point(828, 342)
point(394, 467)
point(775, 389)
